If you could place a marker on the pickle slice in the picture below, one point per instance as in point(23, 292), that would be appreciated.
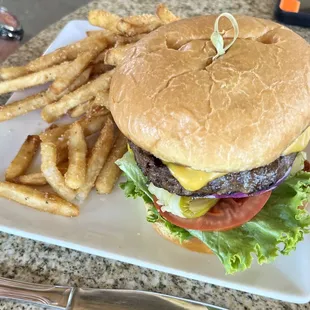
point(192, 208)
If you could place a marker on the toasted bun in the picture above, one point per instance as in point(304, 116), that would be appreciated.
point(192, 244)
point(236, 113)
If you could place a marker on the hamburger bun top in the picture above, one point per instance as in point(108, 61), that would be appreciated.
point(235, 113)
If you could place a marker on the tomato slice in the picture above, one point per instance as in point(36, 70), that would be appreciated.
point(228, 213)
point(306, 166)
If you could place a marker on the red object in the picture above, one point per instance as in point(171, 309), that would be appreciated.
point(290, 6)
point(228, 213)
point(306, 166)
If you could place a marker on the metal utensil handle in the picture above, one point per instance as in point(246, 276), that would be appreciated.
point(48, 295)
point(101, 299)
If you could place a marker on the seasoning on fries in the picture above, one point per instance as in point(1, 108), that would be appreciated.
point(77, 149)
point(35, 179)
point(97, 158)
point(55, 110)
point(51, 172)
point(110, 172)
point(42, 201)
point(24, 157)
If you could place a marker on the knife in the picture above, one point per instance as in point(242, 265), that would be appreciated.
point(71, 298)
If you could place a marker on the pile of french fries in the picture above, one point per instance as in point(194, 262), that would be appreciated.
point(69, 164)
point(80, 76)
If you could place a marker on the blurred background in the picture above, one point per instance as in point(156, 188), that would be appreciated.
point(35, 15)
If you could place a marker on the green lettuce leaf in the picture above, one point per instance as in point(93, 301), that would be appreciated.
point(275, 230)
point(136, 186)
point(178, 232)
point(133, 191)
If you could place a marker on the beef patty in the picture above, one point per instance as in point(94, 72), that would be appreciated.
point(248, 182)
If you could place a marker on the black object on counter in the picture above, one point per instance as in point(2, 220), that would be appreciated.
point(10, 27)
point(300, 18)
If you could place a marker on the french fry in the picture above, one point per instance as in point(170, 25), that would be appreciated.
point(97, 159)
point(54, 134)
point(75, 175)
point(53, 126)
point(165, 15)
point(120, 40)
point(90, 126)
point(23, 106)
point(104, 19)
point(133, 25)
point(37, 178)
point(59, 133)
point(41, 201)
point(63, 54)
point(77, 67)
point(141, 20)
point(99, 59)
point(94, 123)
point(98, 111)
point(115, 55)
point(51, 172)
point(81, 109)
point(39, 100)
point(23, 158)
point(13, 72)
point(69, 52)
point(115, 38)
point(100, 68)
point(92, 33)
point(55, 110)
point(110, 172)
point(78, 82)
point(101, 100)
point(34, 179)
point(33, 79)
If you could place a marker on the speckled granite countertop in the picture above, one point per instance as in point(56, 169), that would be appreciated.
point(42, 263)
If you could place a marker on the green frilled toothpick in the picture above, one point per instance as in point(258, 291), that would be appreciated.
point(217, 39)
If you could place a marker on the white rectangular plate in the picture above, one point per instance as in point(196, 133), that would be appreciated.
point(114, 227)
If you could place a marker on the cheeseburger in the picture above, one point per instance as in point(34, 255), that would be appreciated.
point(216, 135)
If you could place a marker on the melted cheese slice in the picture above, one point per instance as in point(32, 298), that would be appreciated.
point(194, 180)
point(299, 144)
point(190, 179)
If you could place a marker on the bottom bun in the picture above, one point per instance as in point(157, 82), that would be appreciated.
point(192, 244)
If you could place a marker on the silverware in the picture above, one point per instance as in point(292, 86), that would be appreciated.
point(70, 298)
